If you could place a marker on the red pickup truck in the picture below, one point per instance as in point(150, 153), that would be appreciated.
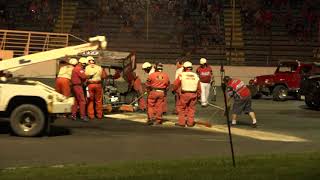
point(284, 82)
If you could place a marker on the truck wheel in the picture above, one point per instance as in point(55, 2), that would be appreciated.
point(280, 93)
point(309, 102)
point(27, 120)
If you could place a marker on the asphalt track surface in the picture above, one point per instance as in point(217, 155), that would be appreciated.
point(128, 139)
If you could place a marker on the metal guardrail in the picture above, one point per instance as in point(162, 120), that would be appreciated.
point(29, 42)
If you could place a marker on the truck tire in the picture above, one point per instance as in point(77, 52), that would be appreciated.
point(27, 120)
point(280, 93)
point(309, 102)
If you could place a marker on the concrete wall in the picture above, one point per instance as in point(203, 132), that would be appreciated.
point(244, 73)
point(48, 70)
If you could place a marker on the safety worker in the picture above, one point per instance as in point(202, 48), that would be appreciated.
point(237, 90)
point(137, 86)
point(179, 70)
point(159, 68)
point(148, 68)
point(206, 79)
point(78, 77)
point(189, 83)
point(63, 81)
point(157, 84)
point(95, 74)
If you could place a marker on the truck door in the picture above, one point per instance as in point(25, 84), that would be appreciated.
point(287, 74)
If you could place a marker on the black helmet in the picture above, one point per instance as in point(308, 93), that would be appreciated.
point(226, 79)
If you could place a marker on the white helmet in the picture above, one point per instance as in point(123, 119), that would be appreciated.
point(73, 61)
point(90, 58)
point(187, 64)
point(203, 61)
point(146, 65)
point(83, 60)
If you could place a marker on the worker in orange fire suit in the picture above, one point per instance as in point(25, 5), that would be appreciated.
point(157, 84)
point(78, 77)
point(189, 83)
point(179, 70)
point(94, 83)
point(159, 67)
point(137, 86)
point(149, 69)
point(63, 81)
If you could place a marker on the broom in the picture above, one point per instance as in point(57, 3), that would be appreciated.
point(129, 107)
point(204, 123)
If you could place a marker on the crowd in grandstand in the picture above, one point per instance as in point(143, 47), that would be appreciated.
point(39, 12)
point(199, 19)
point(300, 18)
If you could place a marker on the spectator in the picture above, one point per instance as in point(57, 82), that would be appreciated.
point(318, 26)
point(309, 20)
point(3, 10)
point(34, 11)
point(267, 20)
point(259, 23)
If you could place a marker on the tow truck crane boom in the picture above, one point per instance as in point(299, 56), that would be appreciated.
point(14, 64)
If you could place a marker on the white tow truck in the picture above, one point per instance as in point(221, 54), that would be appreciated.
point(31, 106)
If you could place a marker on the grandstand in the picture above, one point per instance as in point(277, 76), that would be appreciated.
point(170, 29)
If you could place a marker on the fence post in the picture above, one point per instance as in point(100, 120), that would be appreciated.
point(26, 49)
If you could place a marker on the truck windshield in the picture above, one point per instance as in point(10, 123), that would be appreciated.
point(287, 68)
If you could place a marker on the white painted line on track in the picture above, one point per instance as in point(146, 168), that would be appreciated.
point(250, 133)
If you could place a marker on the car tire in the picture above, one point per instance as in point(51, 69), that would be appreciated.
point(27, 120)
point(280, 93)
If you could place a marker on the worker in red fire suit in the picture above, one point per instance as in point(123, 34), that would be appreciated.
point(157, 84)
point(94, 83)
point(189, 83)
point(237, 90)
point(78, 77)
point(63, 81)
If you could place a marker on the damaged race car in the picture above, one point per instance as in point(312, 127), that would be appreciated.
point(118, 87)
